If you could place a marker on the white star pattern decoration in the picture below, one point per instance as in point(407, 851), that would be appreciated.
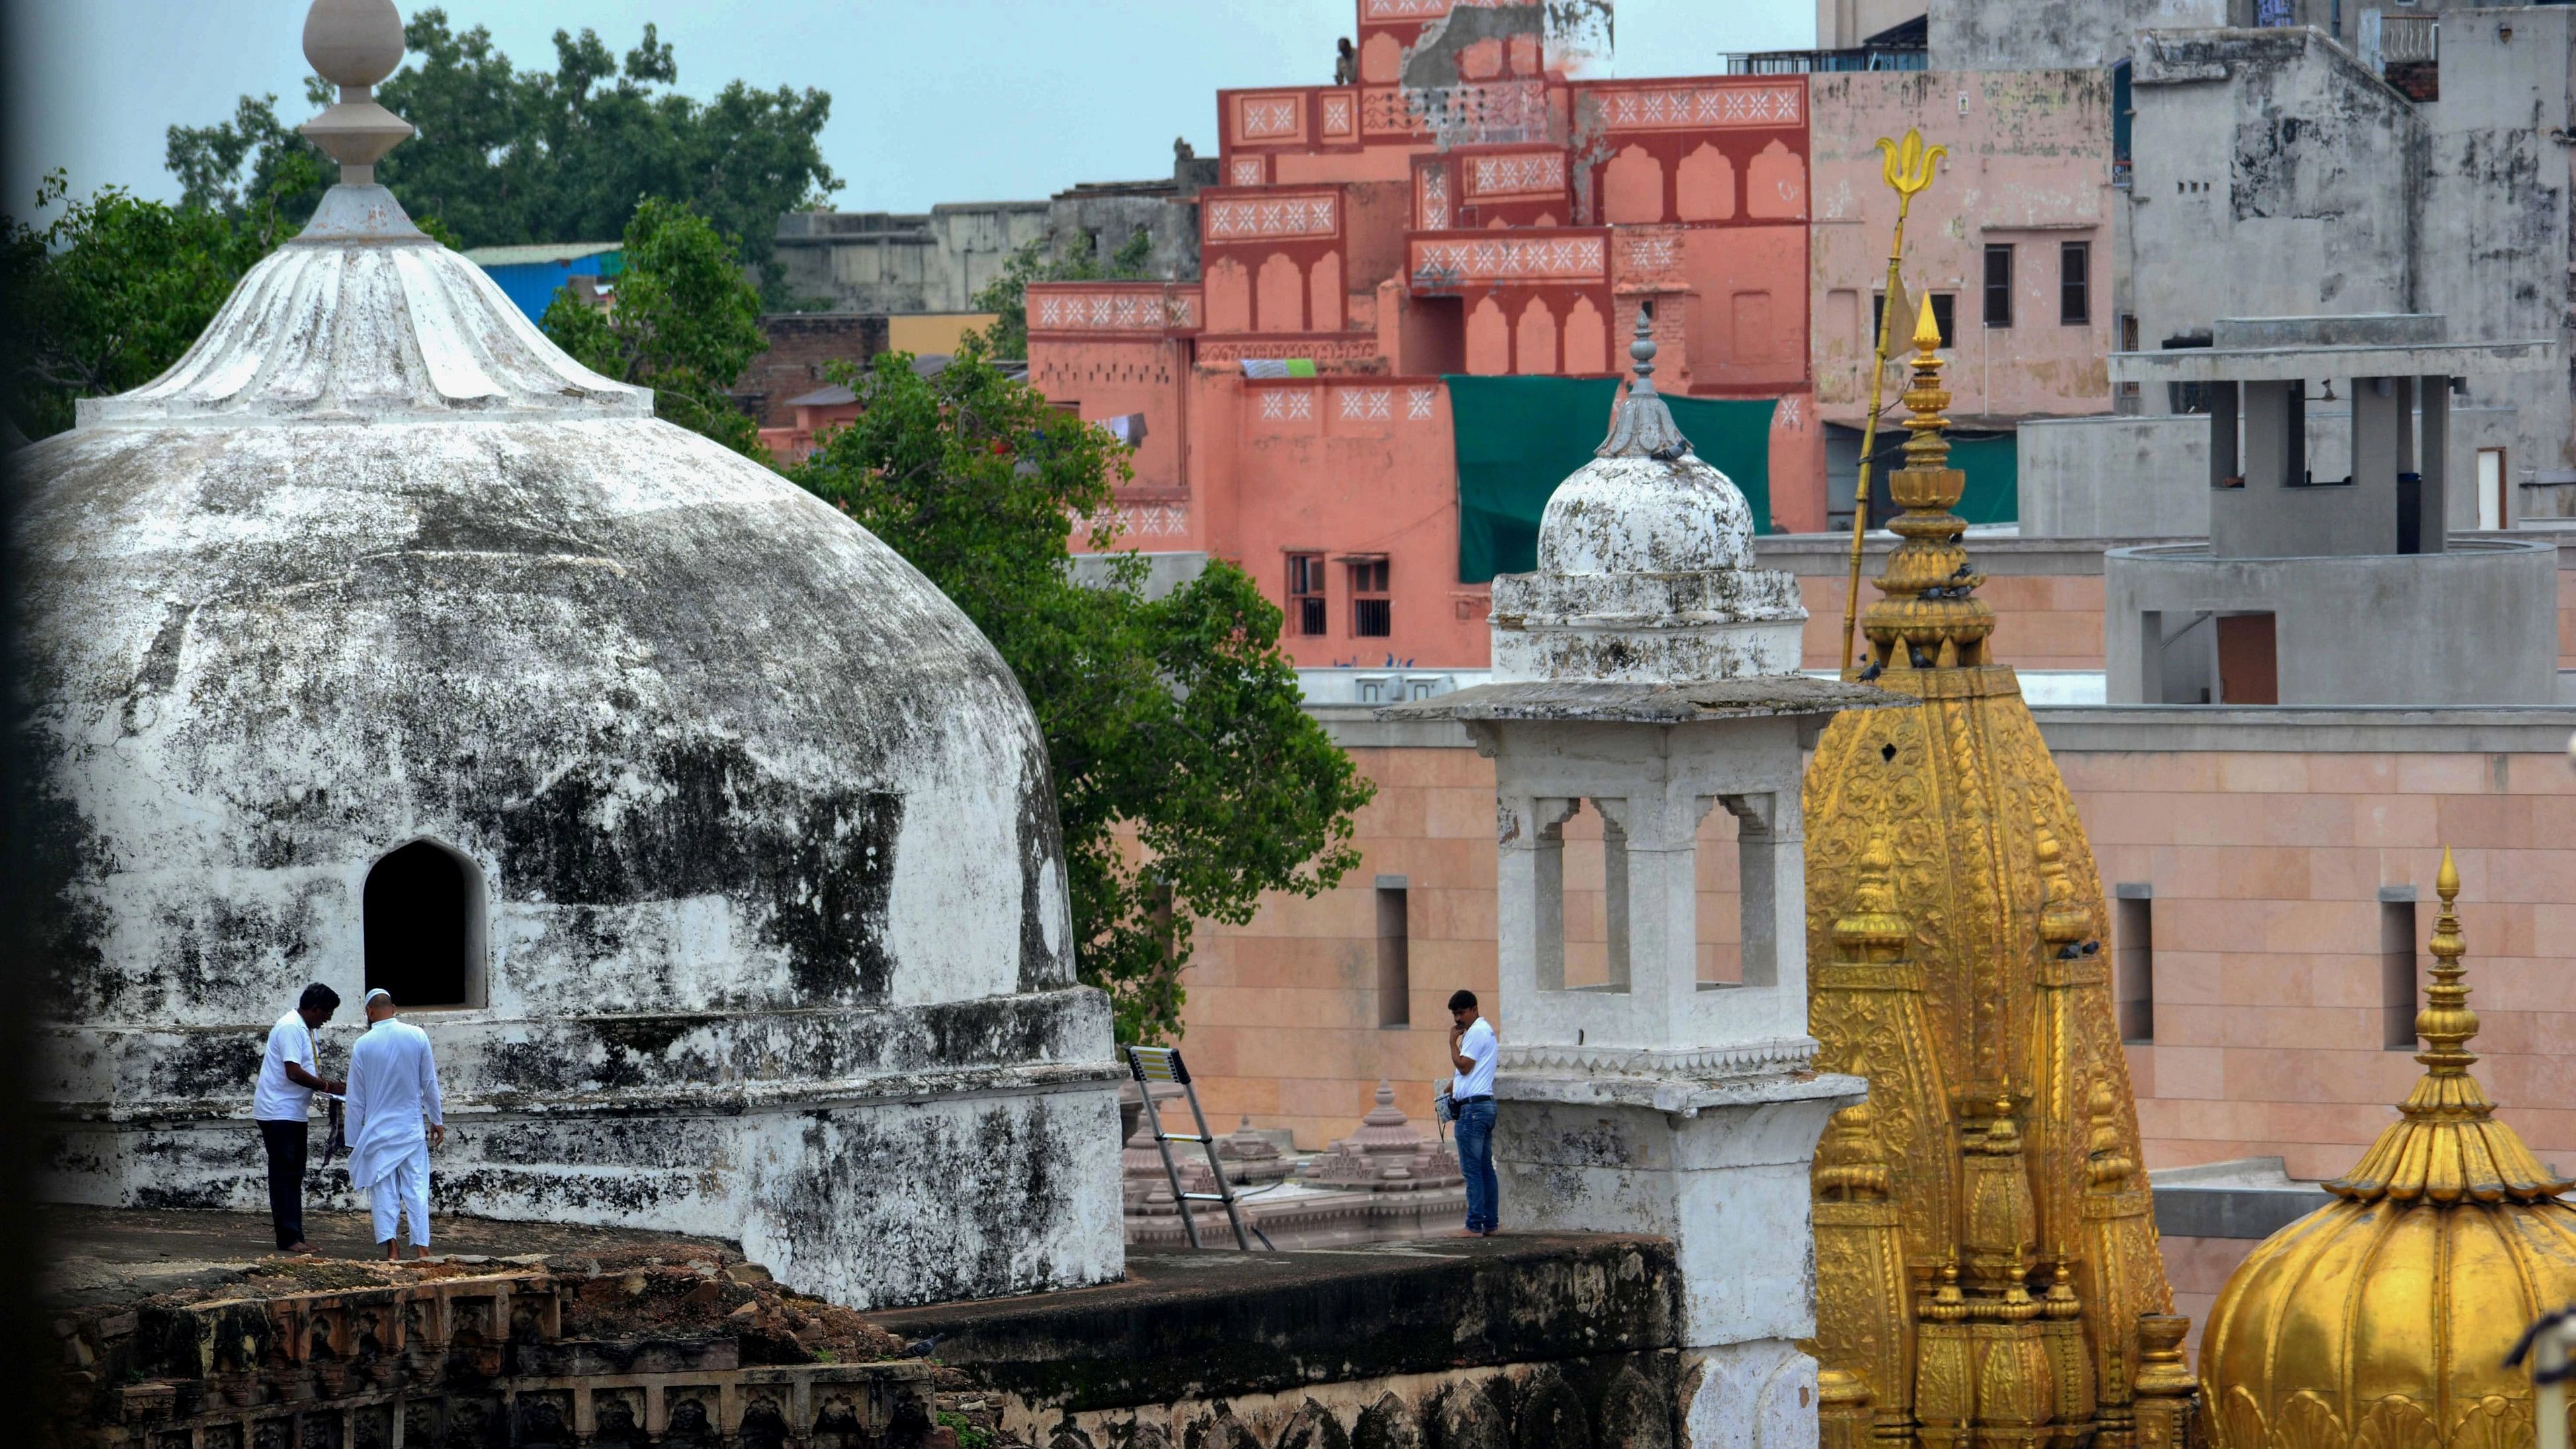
point(1291, 216)
point(1571, 257)
point(1247, 171)
point(1407, 9)
point(1265, 118)
point(1505, 175)
point(1788, 417)
point(1417, 404)
point(1337, 115)
point(1702, 106)
point(1367, 404)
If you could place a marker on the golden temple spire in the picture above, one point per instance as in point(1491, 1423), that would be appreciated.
point(2446, 1145)
point(1930, 618)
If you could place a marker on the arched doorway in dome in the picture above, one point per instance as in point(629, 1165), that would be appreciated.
point(424, 927)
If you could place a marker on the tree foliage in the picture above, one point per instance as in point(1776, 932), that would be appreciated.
point(1188, 779)
point(114, 289)
point(508, 156)
point(1007, 295)
point(684, 323)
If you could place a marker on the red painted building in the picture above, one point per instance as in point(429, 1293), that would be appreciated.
point(1464, 209)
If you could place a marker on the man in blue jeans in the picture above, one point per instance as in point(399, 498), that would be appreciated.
point(1472, 1049)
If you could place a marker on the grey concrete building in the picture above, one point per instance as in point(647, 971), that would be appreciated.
point(877, 261)
point(2276, 173)
point(2265, 611)
point(899, 262)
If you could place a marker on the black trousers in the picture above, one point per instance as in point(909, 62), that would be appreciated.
point(286, 1144)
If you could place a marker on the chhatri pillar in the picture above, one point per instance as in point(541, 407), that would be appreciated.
point(1648, 671)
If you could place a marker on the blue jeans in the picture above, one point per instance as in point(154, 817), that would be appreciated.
point(1476, 1158)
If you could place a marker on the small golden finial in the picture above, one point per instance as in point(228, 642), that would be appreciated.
point(1850, 1165)
point(2062, 922)
point(2003, 1135)
point(2108, 1163)
point(1873, 932)
point(2446, 1023)
point(1927, 330)
point(2062, 1302)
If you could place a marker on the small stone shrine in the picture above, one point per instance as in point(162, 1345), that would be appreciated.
point(1649, 669)
point(381, 643)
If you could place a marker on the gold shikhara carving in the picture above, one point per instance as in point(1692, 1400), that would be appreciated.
point(2384, 1319)
point(1986, 1258)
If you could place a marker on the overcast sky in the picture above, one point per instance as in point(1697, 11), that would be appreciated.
point(933, 100)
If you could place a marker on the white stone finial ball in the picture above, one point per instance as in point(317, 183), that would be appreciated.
point(353, 43)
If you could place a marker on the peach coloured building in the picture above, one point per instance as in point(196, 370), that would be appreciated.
point(1470, 209)
point(1465, 208)
point(2013, 240)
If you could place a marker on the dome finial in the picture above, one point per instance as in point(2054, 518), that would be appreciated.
point(1640, 425)
point(2446, 1145)
point(355, 44)
point(2446, 1023)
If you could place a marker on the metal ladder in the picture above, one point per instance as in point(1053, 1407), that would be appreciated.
point(1152, 1065)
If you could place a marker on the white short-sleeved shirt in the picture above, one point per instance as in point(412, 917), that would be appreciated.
point(1480, 1047)
point(279, 1098)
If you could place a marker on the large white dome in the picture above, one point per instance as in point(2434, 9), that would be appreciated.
point(744, 816)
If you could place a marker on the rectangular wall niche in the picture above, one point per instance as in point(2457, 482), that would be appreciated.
point(2133, 962)
point(1394, 952)
point(2397, 968)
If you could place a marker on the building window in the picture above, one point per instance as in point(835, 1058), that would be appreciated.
point(2397, 969)
point(2133, 958)
point(1306, 594)
point(1394, 945)
point(2075, 283)
point(1943, 306)
point(1999, 259)
point(1372, 612)
point(424, 927)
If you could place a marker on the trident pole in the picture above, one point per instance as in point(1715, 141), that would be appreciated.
point(1908, 167)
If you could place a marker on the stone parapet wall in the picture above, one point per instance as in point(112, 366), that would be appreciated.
point(1564, 1340)
point(2264, 836)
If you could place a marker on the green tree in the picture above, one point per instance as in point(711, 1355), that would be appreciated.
point(509, 156)
point(1007, 295)
point(1188, 779)
point(684, 323)
point(112, 291)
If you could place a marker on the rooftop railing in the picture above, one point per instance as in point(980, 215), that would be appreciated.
point(1805, 62)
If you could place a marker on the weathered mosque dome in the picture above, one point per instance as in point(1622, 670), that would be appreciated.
point(379, 642)
point(2386, 1317)
point(1645, 566)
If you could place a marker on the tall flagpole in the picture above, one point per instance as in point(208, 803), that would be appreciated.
point(1908, 167)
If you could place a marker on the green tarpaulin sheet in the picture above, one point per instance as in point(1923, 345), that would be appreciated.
point(1991, 493)
point(1518, 437)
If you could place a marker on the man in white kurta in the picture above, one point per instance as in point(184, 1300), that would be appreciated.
point(394, 1119)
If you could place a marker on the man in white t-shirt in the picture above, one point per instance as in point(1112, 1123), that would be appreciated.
point(289, 1075)
point(1472, 1050)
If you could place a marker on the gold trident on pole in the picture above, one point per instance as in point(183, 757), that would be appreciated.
point(1908, 167)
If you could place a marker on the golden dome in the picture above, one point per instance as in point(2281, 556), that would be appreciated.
point(2384, 1319)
